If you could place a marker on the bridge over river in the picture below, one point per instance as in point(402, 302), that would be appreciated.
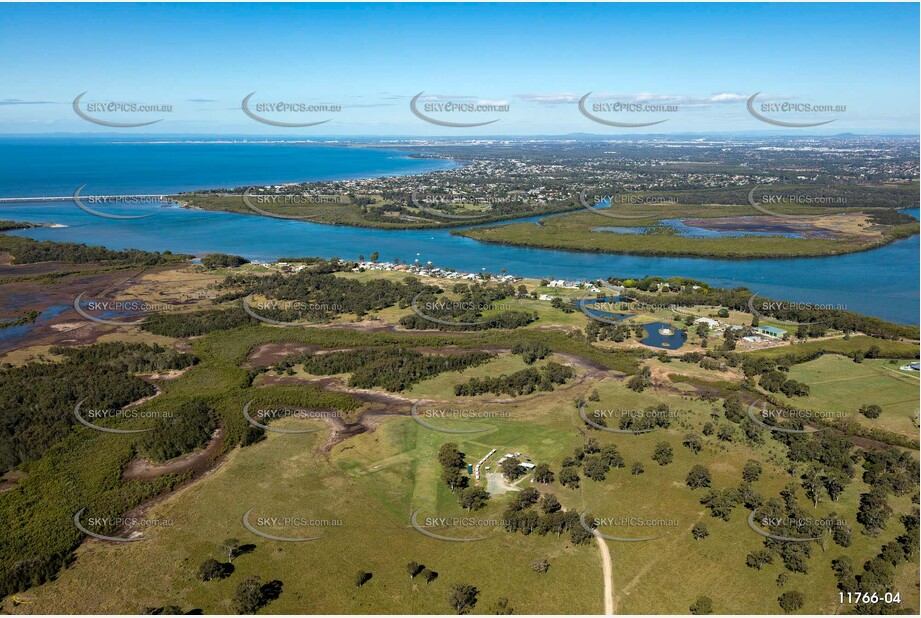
point(89, 198)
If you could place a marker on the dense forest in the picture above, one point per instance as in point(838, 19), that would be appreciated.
point(394, 369)
point(37, 399)
point(522, 382)
point(28, 251)
point(475, 307)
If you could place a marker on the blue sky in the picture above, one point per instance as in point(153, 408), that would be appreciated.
point(701, 61)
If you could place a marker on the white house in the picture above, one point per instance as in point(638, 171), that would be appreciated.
point(708, 321)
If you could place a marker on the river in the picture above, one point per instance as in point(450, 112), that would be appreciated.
point(882, 282)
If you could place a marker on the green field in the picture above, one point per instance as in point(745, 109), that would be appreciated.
point(371, 483)
point(838, 384)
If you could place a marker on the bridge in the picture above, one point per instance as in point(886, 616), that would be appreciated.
point(88, 198)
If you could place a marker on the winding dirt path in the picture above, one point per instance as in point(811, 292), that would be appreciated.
point(609, 606)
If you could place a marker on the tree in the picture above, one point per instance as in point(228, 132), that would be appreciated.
point(791, 600)
point(725, 433)
point(541, 565)
point(841, 534)
point(463, 597)
point(698, 477)
point(812, 483)
point(751, 471)
point(873, 511)
point(222, 260)
point(637, 468)
point(428, 575)
point(450, 457)
point(550, 504)
point(362, 577)
point(733, 409)
point(835, 482)
point(699, 531)
point(702, 606)
point(693, 442)
point(454, 478)
point(569, 477)
point(511, 469)
point(249, 597)
point(211, 569)
point(413, 568)
point(579, 535)
point(231, 548)
point(662, 454)
point(720, 503)
point(542, 474)
point(594, 467)
point(871, 411)
point(759, 558)
point(473, 498)
point(502, 608)
point(640, 380)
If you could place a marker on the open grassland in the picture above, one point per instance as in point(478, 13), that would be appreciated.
point(809, 349)
point(839, 384)
point(667, 574)
point(370, 484)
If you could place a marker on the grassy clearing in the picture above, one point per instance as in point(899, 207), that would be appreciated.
point(860, 343)
point(666, 575)
point(370, 484)
point(838, 384)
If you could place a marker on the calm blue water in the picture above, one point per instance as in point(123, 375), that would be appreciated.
point(657, 339)
point(16, 333)
point(33, 167)
point(882, 282)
